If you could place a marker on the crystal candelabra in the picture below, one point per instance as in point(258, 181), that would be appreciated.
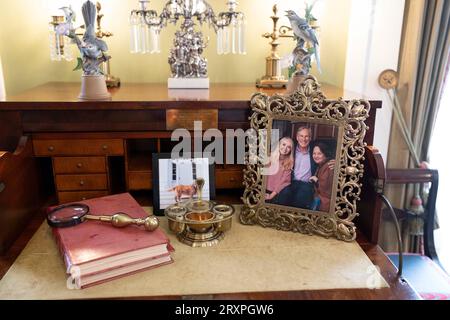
point(188, 66)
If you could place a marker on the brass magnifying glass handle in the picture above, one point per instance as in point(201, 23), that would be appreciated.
point(121, 220)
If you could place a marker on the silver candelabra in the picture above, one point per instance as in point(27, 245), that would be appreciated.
point(185, 58)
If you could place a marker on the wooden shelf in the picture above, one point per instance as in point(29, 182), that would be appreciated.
point(140, 162)
point(237, 167)
point(141, 180)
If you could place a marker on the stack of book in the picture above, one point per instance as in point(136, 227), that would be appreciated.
point(95, 251)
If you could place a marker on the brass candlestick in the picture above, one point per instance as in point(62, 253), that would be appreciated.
point(273, 77)
point(199, 204)
point(111, 81)
point(58, 38)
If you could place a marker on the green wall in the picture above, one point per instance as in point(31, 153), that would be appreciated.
point(24, 44)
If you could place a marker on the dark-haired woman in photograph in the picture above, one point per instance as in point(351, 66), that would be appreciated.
point(323, 178)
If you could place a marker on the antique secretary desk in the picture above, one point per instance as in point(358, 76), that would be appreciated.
point(54, 149)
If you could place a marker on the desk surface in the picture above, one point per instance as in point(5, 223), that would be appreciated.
point(398, 289)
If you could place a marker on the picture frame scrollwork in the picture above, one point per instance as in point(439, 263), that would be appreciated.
point(308, 104)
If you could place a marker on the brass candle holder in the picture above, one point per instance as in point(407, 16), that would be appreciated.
point(197, 222)
point(111, 81)
point(273, 77)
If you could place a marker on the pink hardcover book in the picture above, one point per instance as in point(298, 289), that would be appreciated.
point(119, 272)
point(95, 247)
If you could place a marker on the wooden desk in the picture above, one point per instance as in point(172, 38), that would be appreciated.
point(95, 148)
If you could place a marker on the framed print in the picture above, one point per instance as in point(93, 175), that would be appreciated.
point(306, 174)
point(174, 180)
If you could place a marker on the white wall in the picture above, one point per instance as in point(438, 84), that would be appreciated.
point(373, 45)
point(2, 82)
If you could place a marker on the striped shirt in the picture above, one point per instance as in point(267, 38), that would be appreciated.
point(302, 167)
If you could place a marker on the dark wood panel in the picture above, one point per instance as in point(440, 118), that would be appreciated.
point(229, 179)
point(239, 115)
point(101, 135)
point(10, 130)
point(30, 226)
point(93, 120)
point(403, 176)
point(140, 180)
point(20, 192)
point(369, 207)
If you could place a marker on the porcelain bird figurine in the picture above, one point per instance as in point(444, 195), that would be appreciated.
point(303, 33)
point(91, 48)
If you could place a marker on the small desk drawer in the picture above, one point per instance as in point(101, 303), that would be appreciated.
point(74, 147)
point(72, 196)
point(73, 182)
point(79, 164)
point(229, 179)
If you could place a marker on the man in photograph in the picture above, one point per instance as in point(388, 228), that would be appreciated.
point(301, 191)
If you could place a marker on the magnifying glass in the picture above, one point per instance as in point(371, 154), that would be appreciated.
point(69, 215)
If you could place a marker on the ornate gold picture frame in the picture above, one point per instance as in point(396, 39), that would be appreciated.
point(306, 107)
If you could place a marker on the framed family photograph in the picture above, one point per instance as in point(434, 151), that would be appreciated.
point(305, 175)
point(301, 168)
point(174, 180)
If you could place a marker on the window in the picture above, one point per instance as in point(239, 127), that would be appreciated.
point(194, 170)
point(439, 160)
point(174, 171)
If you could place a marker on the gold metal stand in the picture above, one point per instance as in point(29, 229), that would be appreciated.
point(273, 77)
point(111, 81)
point(56, 21)
point(195, 239)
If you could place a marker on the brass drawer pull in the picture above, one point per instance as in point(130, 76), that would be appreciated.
point(81, 183)
point(232, 179)
point(105, 147)
point(2, 186)
point(79, 165)
point(51, 148)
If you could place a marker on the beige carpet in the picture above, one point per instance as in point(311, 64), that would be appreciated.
point(249, 259)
